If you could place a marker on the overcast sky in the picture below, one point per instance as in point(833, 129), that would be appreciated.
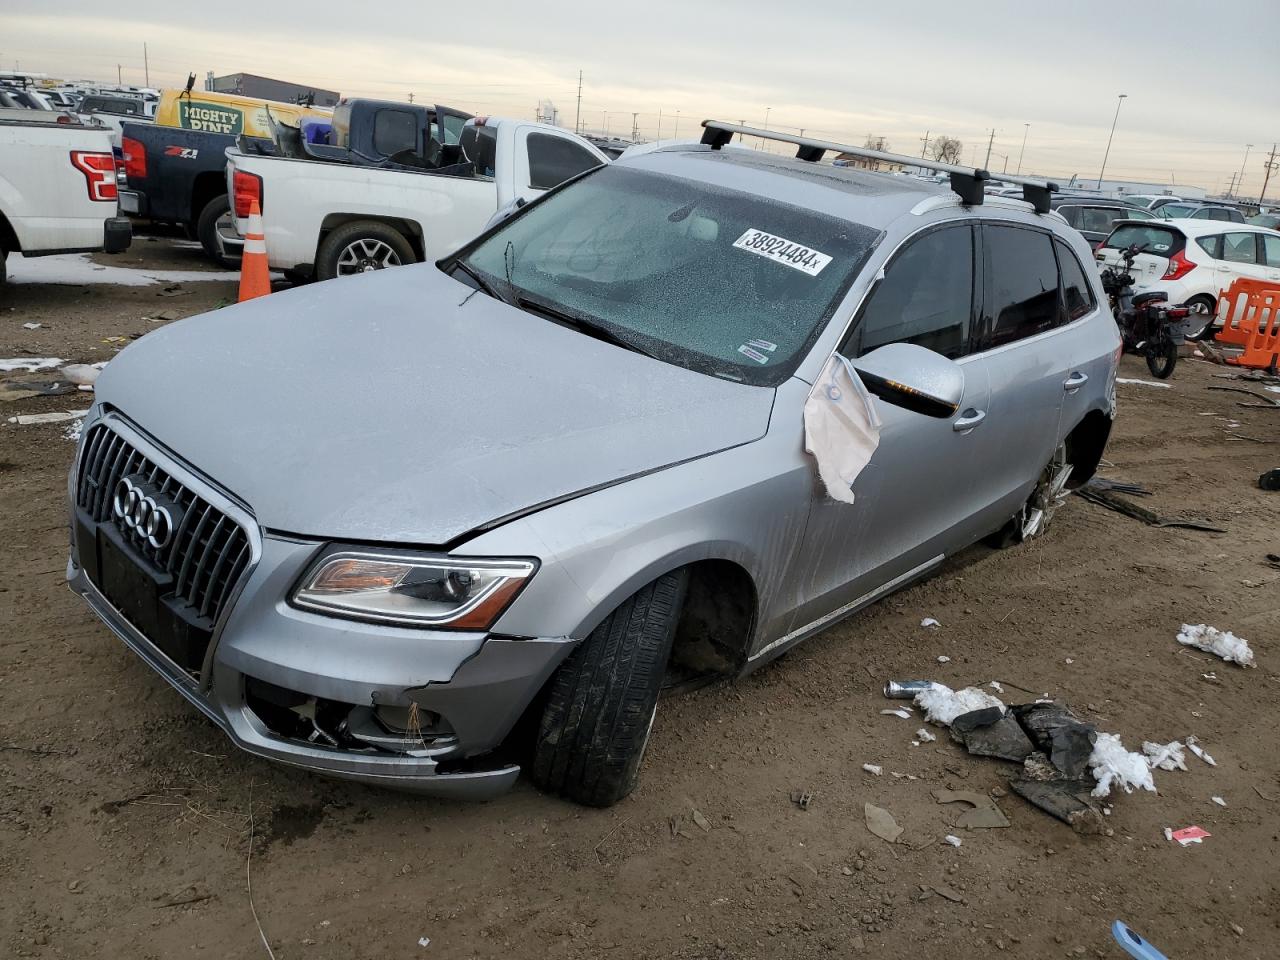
point(897, 69)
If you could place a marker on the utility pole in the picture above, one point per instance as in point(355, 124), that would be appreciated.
point(675, 131)
point(1026, 128)
point(119, 77)
point(411, 96)
point(635, 127)
point(146, 68)
point(659, 136)
point(987, 162)
point(1240, 179)
point(1231, 186)
point(1106, 155)
point(924, 144)
point(1269, 166)
point(577, 117)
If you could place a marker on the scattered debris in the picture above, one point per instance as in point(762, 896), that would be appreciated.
point(985, 815)
point(953, 840)
point(703, 823)
point(32, 326)
point(929, 623)
point(1270, 480)
point(880, 822)
point(902, 712)
point(992, 732)
point(1188, 835)
point(83, 374)
point(1168, 833)
point(907, 689)
point(1165, 756)
point(1258, 791)
point(1219, 801)
point(924, 736)
point(1120, 486)
point(944, 659)
point(424, 941)
point(1220, 643)
point(1067, 740)
point(802, 798)
point(29, 364)
point(1151, 519)
point(1067, 800)
point(58, 416)
point(24, 386)
point(942, 705)
point(1267, 402)
point(1194, 746)
point(1112, 765)
point(1144, 383)
point(994, 685)
point(872, 769)
point(947, 893)
point(1133, 944)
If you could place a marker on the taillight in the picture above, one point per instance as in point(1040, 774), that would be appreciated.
point(99, 171)
point(246, 188)
point(1179, 267)
point(135, 157)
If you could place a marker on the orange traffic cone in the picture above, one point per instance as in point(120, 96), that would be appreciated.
point(255, 280)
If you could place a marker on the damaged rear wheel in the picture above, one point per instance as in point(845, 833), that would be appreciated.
point(1049, 494)
point(602, 701)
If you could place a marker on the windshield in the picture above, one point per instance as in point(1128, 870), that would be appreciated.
point(728, 283)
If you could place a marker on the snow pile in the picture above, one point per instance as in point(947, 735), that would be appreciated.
point(1221, 643)
point(29, 364)
point(1111, 764)
point(941, 704)
point(1165, 756)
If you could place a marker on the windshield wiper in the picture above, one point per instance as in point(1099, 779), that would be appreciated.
point(582, 325)
point(480, 281)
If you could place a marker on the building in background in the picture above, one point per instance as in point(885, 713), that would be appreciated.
point(251, 85)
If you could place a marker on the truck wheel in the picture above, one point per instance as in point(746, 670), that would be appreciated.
point(602, 700)
point(216, 218)
point(360, 247)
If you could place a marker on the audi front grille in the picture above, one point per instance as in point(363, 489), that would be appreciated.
point(203, 553)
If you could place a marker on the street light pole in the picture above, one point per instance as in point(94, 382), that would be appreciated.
point(1106, 155)
point(1026, 128)
point(1240, 178)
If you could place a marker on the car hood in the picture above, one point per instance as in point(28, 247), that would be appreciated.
point(403, 406)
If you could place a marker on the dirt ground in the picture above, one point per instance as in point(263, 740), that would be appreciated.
point(125, 817)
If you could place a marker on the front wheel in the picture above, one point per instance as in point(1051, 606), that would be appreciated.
point(603, 699)
point(361, 247)
point(1162, 357)
point(1033, 518)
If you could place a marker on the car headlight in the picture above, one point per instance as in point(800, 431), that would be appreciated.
point(458, 593)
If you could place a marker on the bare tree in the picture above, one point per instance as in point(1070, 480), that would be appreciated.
point(946, 149)
point(877, 143)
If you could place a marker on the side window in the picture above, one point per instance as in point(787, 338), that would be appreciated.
point(1211, 245)
point(1071, 215)
point(1077, 295)
point(925, 298)
point(453, 128)
point(1271, 250)
point(553, 160)
point(1136, 215)
point(1099, 219)
point(1021, 284)
point(1240, 248)
point(393, 131)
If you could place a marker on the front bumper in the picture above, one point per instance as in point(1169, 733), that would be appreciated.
point(474, 686)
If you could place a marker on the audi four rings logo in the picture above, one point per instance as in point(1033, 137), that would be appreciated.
point(140, 512)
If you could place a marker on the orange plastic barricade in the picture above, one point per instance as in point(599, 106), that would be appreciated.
point(1233, 307)
point(1260, 327)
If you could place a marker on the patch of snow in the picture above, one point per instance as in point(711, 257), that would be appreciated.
point(929, 622)
point(1113, 765)
point(995, 685)
point(1272, 389)
point(59, 416)
point(1221, 643)
point(76, 269)
point(1145, 383)
point(29, 364)
point(925, 736)
point(872, 769)
point(72, 431)
point(941, 704)
point(944, 659)
point(953, 840)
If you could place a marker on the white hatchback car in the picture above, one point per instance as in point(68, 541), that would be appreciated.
point(1192, 260)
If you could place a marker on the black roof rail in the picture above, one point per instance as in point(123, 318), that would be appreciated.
point(967, 182)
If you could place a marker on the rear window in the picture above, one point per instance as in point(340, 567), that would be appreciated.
point(480, 147)
point(1158, 240)
point(394, 131)
point(553, 160)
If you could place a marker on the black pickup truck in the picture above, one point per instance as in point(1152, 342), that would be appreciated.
point(178, 176)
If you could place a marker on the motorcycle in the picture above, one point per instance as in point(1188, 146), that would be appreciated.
point(1147, 324)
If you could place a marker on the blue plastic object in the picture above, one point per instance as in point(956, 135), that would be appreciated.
point(1134, 944)
point(316, 131)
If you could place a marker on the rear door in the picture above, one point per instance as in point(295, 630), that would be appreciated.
point(1271, 255)
point(1241, 257)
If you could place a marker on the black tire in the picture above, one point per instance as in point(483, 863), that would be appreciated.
point(601, 703)
point(386, 245)
point(207, 231)
point(1162, 357)
point(4, 256)
point(1209, 306)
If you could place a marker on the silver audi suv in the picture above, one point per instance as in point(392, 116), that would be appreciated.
point(373, 528)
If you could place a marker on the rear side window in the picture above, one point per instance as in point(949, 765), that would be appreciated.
point(926, 296)
point(1211, 245)
point(393, 131)
point(1240, 248)
point(1157, 240)
point(1100, 219)
point(1071, 215)
point(1077, 295)
point(553, 160)
point(1271, 250)
point(1021, 284)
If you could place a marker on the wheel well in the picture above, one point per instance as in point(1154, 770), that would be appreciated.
point(410, 230)
point(205, 188)
point(716, 621)
point(1085, 445)
point(8, 239)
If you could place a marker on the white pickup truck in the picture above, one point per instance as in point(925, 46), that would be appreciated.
point(325, 219)
point(58, 191)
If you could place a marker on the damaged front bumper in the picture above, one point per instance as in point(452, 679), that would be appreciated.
point(410, 709)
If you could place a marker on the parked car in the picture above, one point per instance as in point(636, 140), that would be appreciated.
point(1150, 200)
point(1269, 220)
point(323, 218)
point(1188, 210)
point(1193, 260)
point(1094, 216)
point(531, 476)
point(175, 167)
point(57, 190)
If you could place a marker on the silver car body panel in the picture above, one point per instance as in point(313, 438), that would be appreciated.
point(406, 409)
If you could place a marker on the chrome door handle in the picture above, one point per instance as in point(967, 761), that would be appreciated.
point(968, 420)
point(1075, 382)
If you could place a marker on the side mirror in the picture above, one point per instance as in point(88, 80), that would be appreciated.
point(913, 377)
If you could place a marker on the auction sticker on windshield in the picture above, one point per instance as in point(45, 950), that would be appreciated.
point(783, 251)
